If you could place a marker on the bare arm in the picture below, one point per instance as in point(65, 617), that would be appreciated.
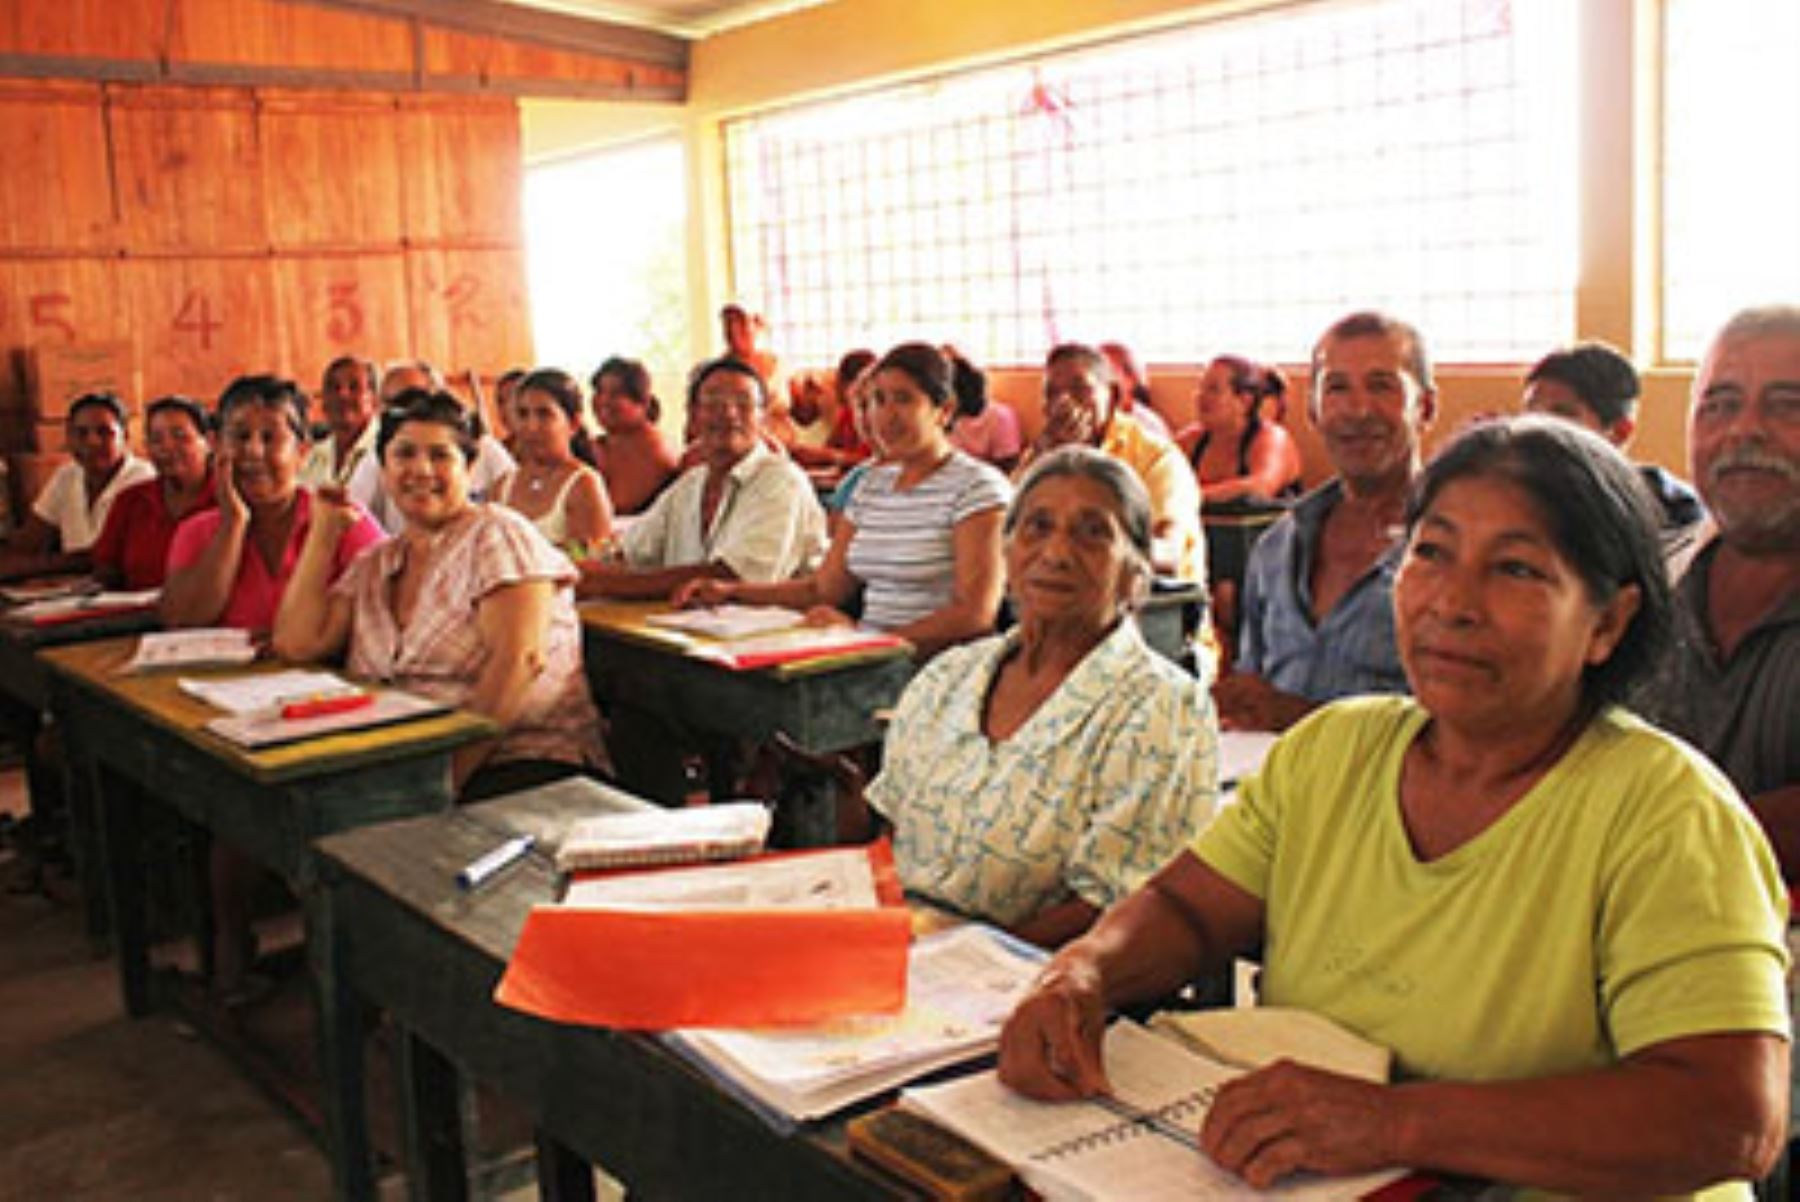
point(1268, 471)
point(1185, 920)
point(975, 594)
point(643, 584)
point(1604, 1130)
point(590, 512)
point(1056, 924)
point(1248, 702)
point(513, 622)
point(311, 624)
point(197, 594)
point(831, 584)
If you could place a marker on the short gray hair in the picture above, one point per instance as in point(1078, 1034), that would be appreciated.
point(1130, 497)
point(1761, 321)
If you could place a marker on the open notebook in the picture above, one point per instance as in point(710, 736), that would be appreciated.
point(1140, 1144)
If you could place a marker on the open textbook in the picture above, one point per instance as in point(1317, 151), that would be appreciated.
point(1140, 1144)
point(960, 986)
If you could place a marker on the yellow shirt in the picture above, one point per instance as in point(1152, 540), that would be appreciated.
point(1628, 899)
point(1174, 492)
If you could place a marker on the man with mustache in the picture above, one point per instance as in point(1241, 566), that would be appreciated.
point(1732, 687)
point(1317, 618)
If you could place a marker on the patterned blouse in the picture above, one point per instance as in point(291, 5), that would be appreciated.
point(1113, 775)
point(440, 652)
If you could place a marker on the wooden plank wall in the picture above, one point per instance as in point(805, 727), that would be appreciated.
point(261, 185)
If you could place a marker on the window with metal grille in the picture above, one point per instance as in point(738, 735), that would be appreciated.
point(1730, 165)
point(1230, 185)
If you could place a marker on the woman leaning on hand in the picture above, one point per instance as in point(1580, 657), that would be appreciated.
point(468, 605)
point(1563, 922)
point(1036, 777)
point(228, 566)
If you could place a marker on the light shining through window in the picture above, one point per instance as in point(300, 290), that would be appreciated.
point(1234, 185)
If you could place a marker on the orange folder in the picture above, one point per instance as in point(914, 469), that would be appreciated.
point(713, 968)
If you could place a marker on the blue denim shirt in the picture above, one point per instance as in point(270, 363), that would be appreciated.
point(1354, 649)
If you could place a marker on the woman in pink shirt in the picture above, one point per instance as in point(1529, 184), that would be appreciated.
point(229, 565)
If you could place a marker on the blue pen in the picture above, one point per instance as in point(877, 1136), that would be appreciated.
point(481, 869)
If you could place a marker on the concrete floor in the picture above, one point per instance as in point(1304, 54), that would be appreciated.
point(96, 1107)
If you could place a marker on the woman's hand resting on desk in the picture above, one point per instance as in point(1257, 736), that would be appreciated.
point(1050, 1047)
point(706, 591)
point(1289, 1118)
point(826, 615)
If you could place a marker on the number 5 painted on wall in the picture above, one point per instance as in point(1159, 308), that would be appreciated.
point(45, 315)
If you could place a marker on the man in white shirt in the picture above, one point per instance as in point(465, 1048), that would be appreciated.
point(491, 459)
point(744, 512)
point(347, 394)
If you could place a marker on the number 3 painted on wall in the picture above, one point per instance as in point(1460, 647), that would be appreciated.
point(343, 312)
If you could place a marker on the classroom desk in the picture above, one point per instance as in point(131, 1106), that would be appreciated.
point(139, 739)
point(824, 706)
point(400, 935)
point(24, 699)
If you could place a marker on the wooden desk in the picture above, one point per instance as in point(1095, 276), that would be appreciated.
point(140, 739)
point(825, 705)
point(24, 699)
point(400, 935)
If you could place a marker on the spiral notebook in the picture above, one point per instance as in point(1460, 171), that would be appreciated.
point(1141, 1143)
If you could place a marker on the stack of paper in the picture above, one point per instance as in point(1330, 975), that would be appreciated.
point(729, 621)
point(47, 588)
point(795, 646)
point(664, 836)
point(779, 940)
point(960, 986)
point(77, 605)
point(192, 648)
point(264, 692)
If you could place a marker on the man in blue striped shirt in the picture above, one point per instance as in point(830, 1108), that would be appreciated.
point(1318, 621)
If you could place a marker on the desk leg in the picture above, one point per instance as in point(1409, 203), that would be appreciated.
point(121, 848)
point(807, 815)
point(562, 1175)
point(84, 835)
point(342, 1037)
point(431, 1136)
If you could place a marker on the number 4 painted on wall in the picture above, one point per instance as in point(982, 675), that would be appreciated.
point(195, 317)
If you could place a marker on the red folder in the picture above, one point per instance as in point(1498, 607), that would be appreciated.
point(712, 968)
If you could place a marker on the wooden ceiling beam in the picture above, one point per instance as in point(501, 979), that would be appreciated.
point(559, 31)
